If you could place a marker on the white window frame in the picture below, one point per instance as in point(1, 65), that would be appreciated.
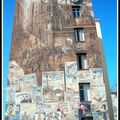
point(79, 35)
point(86, 90)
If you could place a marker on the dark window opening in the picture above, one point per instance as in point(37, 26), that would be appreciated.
point(82, 61)
point(82, 95)
point(87, 118)
point(76, 11)
point(84, 91)
point(79, 34)
point(76, 1)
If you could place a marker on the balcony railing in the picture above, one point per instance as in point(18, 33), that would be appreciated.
point(86, 108)
point(85, 112)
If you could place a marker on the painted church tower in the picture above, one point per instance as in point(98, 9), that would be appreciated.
point(57, 68)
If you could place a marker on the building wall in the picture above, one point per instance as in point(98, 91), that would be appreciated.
point(44, 72)
point(114, 104)
point(58, 43)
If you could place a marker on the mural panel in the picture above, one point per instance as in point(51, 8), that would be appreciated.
point(53, 86)
point(43, 47)
point(85, 75)
point(10, 97)
point(97, 76)
point(43, 108)
point(51, 115)
point(99, 116)
point(15, 72)
point(27, 111)
point(63, 108)
point(71, 76)
point(27, 81)
point(10, 109)
point(93, 75)
point(35, 94)
point(72, 98)
point(98, 96)
point(21, 97)
point(40, 116)
point(15, 117)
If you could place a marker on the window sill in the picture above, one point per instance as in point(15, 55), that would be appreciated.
point(80, 41)
point(83, 69)
point(85, 101)
point(76, 4)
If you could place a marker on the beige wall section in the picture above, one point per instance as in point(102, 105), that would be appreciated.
point(108, 96)
point(98, 29)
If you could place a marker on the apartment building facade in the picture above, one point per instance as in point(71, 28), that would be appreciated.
point(57, 69)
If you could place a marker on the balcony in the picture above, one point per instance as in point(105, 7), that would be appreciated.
point(85, 108)
point(88, 115)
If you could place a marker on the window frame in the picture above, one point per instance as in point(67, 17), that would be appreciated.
point(79, 61)
point(89, 98)
point(76, 11)
point(76, 3)
point(79, 36)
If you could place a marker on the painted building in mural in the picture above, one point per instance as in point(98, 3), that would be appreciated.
point(56, 68)
point(114, 104)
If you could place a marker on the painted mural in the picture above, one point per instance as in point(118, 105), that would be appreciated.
point(63, 107)
point(35, 94)
point(53, 86)
point(21, 97)
point(43, 79)
point(114, 97)
point(44, 42)
point(16, 117)
point(98, 98)
point(10, 109)
point(56, 99)
point(10, 94)
point(85, 75)
point(73, 100)
point(93, 75)
point(99, 116)
point(97, 75)
point(27, 111)
point(71, 75)
point(40, 116)
point(50, 115)
point(15, 72)
point(26, 82)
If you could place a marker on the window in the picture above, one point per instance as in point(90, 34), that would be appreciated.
point(82, 61)
point(76, 1)
point(79, 34)
point(76, 12)
point(87, 118)
point(84, 89)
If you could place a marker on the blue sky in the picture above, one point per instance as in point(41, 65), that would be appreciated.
point(105, 10)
